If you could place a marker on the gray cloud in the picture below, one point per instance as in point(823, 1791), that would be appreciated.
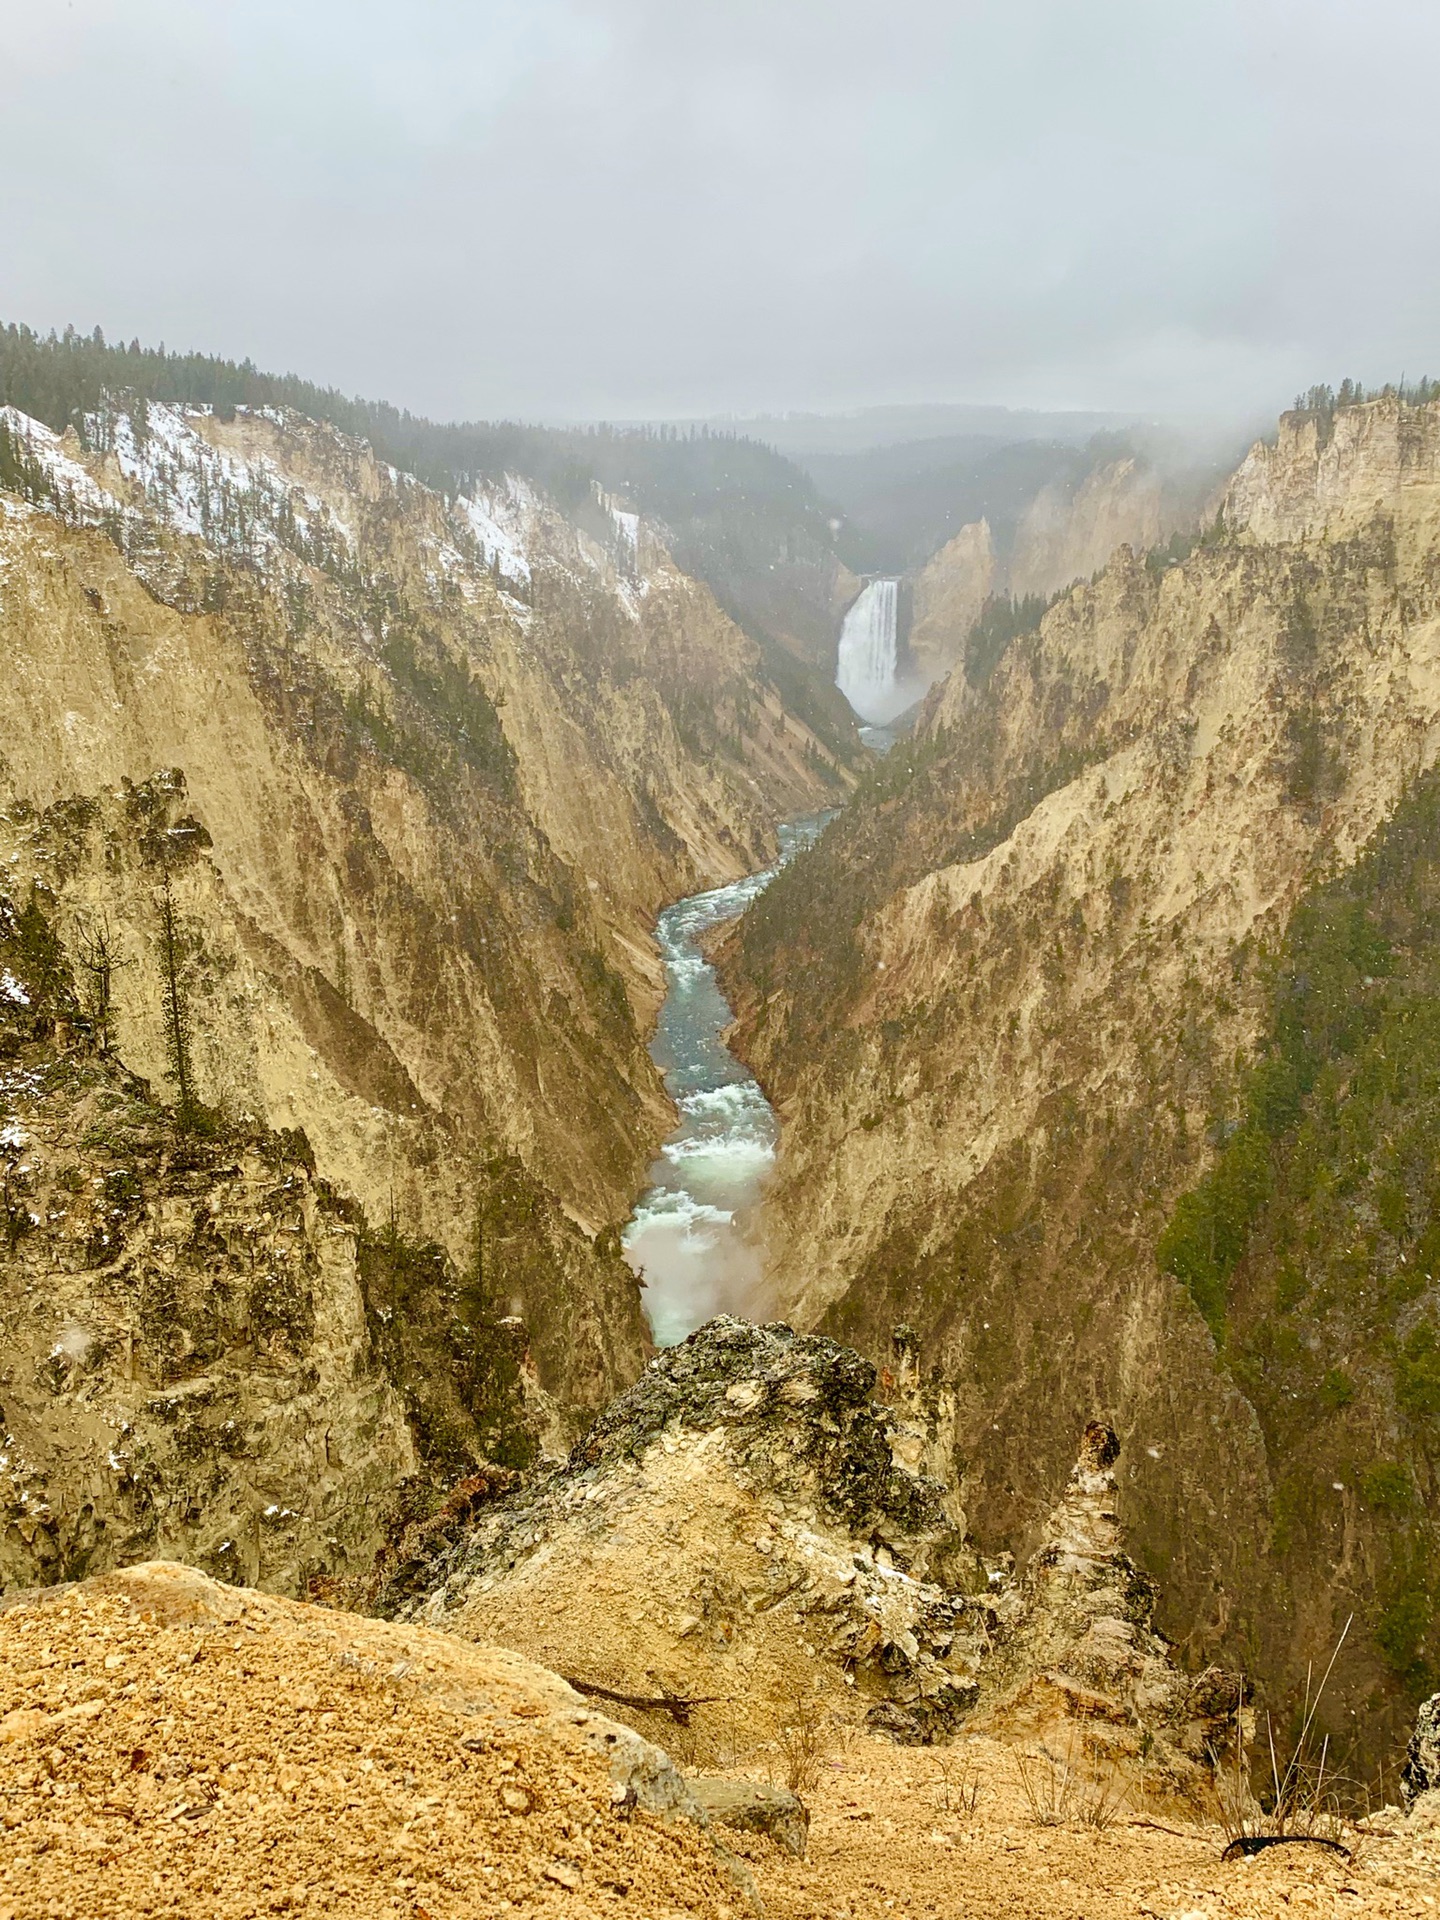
point(579, 207)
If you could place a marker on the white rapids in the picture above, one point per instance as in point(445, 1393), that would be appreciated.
point(689, 1237)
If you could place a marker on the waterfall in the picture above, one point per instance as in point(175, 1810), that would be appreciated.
point(867, 672)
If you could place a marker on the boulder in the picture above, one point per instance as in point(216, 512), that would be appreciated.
point(749, 1807)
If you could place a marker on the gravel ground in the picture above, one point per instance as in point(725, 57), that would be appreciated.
point(892, 1833)
point(290, 1760)
point(172, 1747)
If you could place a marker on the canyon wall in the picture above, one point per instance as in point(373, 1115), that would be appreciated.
point(1066, 532)
point(371, 796)
point(1006, 1008)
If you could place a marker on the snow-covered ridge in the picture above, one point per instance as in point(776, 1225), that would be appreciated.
point(74, 485)
point(139, 463)
point(512, 523)
point(239, 502)
point(243, 504)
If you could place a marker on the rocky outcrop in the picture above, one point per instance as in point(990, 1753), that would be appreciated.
point(207, 1352)
point(1421, 1772)
point(735, 1529)
point(736, 1532)
point(1330, 470)
point(1074, 1645)
point(949, 596)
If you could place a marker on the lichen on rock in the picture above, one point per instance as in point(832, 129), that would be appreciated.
point(1421, 1774)
point(734, 1528)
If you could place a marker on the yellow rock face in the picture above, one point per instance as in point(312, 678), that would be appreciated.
point(995, 1070)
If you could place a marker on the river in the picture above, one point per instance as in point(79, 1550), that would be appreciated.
point(690, 1237)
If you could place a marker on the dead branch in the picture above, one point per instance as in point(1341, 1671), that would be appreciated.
point(679, 1706)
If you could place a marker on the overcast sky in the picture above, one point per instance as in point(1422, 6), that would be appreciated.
point(589, 207)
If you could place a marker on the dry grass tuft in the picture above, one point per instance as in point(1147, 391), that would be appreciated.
point(1306, 1795)
point(1075, 1790)
point(805, 1735)
point(957, 1786)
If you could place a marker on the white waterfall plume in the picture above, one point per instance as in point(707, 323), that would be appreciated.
point(867, 672)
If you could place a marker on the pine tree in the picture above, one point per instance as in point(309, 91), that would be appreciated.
point(176, 1010)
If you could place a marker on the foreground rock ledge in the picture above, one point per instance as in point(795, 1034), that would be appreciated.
point(740, 1531)
point(172, 1746)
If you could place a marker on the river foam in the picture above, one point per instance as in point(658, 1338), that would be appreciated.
point(689, 1237)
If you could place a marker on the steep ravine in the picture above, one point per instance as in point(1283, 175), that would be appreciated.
point(376, 794)
point(1001, 1007)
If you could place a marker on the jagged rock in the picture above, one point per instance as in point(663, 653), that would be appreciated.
point(735, 1533)
point(768, 1383)
point(1075, 1648)
point(749, 1807)
point(1421, 1772)
point(733, 1527)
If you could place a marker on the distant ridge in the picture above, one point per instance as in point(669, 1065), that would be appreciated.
point(800, 435)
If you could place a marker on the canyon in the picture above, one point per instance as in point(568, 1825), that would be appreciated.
point(381, 863)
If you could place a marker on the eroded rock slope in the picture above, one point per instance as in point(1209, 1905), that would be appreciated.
point(745, 1532)
point(1002, 1004)
point(334, 815)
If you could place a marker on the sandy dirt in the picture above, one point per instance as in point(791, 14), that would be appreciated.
point(893, 1832)
point(285, 1760)
point(171, 1747)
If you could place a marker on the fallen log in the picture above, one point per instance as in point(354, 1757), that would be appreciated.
point(678, 1705)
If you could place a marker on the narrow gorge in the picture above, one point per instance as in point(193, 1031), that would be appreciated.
point(691, 1238)
point(337, 810)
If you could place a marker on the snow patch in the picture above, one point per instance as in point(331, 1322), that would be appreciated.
point(496, 517)
point(241, 502)
point(66, 476)
point(11, 989)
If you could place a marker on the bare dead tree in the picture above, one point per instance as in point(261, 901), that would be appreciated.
point(175, 1006)
point(97, 951)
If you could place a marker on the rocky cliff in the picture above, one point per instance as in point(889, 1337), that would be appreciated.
point(1002, 1006)
point(335, 812)
point(1067, 531)
point(449, 760)
point(743, 1538)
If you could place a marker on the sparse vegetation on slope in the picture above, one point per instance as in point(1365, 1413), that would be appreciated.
point(1312, 1245)
point(999, 1008)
